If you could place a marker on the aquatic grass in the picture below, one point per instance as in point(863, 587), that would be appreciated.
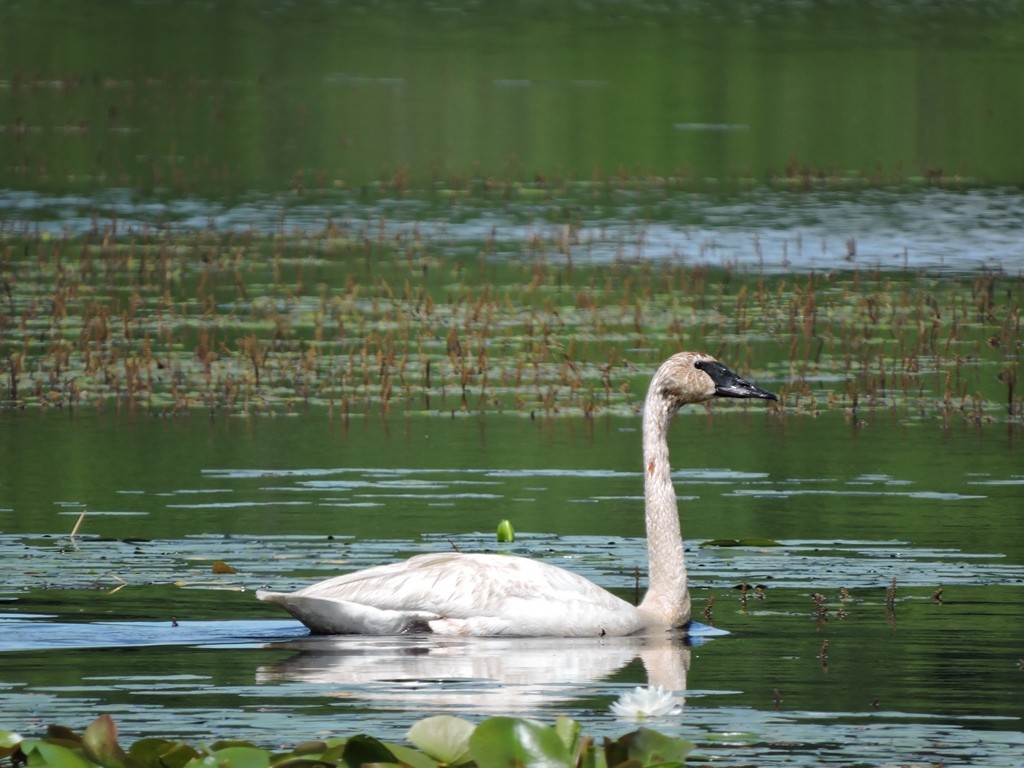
point(379, 321)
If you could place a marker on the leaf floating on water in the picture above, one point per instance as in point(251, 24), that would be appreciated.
point(223, 744)
point(361, 749)
point(57, 734)
point(752, 542)
point(506, 532)
point(646, 747)
point(502, 741)
point(241, 757)
point(9, 741)
point(444, 738)
point(219, 566)
point(54, 755)
point(316, 747)
point(569, 731)
point(100, 744)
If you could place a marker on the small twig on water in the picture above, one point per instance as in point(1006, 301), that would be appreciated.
point(78, 523)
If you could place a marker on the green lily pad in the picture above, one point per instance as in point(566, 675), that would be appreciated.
point(9, 739)
point(362, 749)
point(751, 542)
point(444, 738)
point(499, 742)
point(100, 744)
point(242, 757)
point(647, 747)
point(55, 755)
point(568, 731)
point(162, 753)
point(505, 532)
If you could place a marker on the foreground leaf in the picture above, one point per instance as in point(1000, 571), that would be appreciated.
point(58, 734)
point(162, 753)
point(9, 743)
point(54, 755)
point(648, 747)
point(501, 742)
point(412, 758)
point(100, 744)
point(444, 738)
point(241, 757)
point(568, 731)
point(362, 749)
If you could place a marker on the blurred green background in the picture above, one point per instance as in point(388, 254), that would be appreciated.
point(217, 98)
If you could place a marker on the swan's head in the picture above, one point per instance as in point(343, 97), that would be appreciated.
point(693, 377)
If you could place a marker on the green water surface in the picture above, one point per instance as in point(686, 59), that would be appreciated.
point(219, 98)
point(310, 287)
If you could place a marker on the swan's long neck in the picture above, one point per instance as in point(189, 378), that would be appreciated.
point(667, 602)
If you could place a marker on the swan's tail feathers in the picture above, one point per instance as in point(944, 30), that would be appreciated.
point(324, 616)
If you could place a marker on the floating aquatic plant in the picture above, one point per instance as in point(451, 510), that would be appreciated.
point(388, 318)
point(644, 702)
point(439, 741)
point(506, 532)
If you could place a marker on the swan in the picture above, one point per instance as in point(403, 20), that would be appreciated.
point(486, 595)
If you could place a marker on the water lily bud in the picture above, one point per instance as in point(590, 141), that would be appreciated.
point(505, 532)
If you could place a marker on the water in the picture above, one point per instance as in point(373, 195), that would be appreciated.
point(772, 231)
point(825, 194)
point(214, 99)
point(89, 623)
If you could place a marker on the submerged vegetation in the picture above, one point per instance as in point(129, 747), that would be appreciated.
point(373, 318)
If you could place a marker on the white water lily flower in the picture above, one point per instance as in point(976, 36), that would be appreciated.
point(653, 701)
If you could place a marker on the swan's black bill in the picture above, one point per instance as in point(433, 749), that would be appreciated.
point(728, 384)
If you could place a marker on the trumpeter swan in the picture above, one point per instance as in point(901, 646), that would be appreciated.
point(454, 593)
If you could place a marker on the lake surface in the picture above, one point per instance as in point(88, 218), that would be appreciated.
point(87, 622)
point(216, 98)
point(772, 231)
point(305, 288)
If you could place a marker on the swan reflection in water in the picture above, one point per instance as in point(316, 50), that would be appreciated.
point(477, 675)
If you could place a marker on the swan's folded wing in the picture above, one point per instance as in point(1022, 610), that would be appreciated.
point(465, 594)
point(326, 616)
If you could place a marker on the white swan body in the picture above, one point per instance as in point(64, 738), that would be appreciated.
point(452, 593)
point(486, 595)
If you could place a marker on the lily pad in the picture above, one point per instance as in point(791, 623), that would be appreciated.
point(242, 757)
point(751, 542)
point(499, 742)
point(648, 747)
point(444, 738)
point(100, 744)
point(162, 752)
point(55, 755)
point(362, 749)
